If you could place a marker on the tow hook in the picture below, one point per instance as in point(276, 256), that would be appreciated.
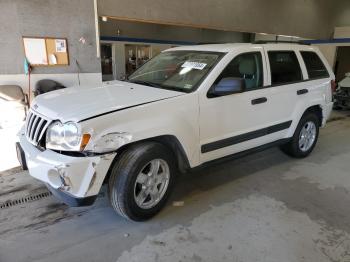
point(65, 180)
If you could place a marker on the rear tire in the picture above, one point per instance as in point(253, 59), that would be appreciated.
point(305, 137)
point(141, 181)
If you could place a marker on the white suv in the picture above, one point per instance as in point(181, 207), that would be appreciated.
point(185, 107)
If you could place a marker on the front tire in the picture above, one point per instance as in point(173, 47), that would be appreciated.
point(305, 137)
point(141, 181)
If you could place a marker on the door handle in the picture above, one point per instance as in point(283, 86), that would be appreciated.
point(259, 100)
point(302, 92)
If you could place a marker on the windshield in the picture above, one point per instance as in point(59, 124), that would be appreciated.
point(176, 70)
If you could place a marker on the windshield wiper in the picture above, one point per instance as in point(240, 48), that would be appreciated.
point(146, 83)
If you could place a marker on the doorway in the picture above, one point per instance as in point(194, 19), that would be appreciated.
point(342, 64)
point(120, 59)
point(136, 56)
point(106, 62)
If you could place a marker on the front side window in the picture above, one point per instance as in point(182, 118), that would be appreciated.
point(284, 67)
point(314, 66)
point(176, 70)
point(247, 66)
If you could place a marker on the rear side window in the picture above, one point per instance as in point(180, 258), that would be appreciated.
point(314, 66)
point(284, 67)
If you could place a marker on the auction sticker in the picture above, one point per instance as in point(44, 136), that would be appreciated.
point(194, 65)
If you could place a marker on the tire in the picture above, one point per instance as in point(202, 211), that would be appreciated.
point(125, 187)
point(293, 147)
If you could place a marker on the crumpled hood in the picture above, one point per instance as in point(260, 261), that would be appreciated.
point(79, 103)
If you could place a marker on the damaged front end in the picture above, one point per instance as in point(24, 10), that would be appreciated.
point(76, 180)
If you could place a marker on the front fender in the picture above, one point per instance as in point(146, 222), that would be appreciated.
point(177, 117)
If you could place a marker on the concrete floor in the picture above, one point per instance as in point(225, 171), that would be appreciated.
point(264, 207)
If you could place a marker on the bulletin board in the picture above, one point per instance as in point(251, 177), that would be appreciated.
point(46, 51)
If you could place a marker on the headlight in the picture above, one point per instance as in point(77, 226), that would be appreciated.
point(66, 137)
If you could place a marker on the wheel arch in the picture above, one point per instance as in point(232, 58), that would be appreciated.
point(298, 115)
point(316, 109)
point(170, 141)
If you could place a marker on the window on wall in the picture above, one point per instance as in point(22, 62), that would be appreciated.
point(247, 66)
point(284, 67)
point(314, 66)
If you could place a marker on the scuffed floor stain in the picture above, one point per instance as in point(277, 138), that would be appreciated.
point(324, 174)
point(11, 171)
point(257, 228)
point(14, 190)
point(39, 218)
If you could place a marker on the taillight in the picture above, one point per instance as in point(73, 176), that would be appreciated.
point(333, 86)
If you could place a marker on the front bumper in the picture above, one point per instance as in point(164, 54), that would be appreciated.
point(75, 180)
point(71, 200)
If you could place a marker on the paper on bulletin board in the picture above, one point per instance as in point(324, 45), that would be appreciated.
point(61, 46)
point(54, 57)
point(35, 51)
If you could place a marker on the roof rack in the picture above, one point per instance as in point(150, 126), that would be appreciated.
point(280, 42)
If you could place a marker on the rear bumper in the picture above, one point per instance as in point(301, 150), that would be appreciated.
point(72, 179)
point(326, 112)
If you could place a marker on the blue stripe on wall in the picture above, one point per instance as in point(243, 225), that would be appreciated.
point(328, 41)
point(144, 40)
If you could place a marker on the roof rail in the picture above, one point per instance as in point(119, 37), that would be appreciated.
point(280, 42)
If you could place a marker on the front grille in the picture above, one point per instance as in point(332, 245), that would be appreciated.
point(35, 127)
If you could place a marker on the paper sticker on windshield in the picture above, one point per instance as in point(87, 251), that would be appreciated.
point(194, 65)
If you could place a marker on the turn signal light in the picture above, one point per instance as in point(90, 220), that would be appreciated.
point(84, 141)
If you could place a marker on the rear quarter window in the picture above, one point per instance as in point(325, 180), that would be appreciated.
point(284, 67)
point(314, 65)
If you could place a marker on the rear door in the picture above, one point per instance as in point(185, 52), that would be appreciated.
point(319, 79)
point(287, 82)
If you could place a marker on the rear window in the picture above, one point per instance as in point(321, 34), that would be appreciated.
point(314, 66)
point(284, 67)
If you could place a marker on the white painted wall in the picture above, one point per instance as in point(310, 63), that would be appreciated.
point(329, 51)
point(342, 32)
point(119, 59)
point(272, 37)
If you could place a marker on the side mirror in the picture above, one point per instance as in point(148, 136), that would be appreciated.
point(228, 86)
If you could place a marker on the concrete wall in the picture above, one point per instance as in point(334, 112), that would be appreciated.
point(71, 19)
point(342, 13)
point(305, 18)
point(169, 32)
